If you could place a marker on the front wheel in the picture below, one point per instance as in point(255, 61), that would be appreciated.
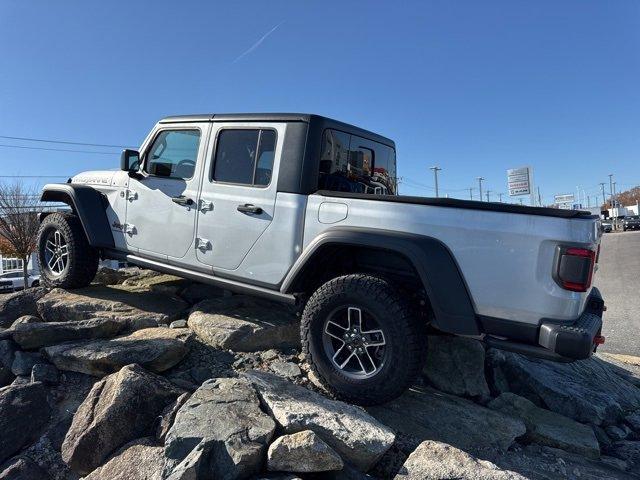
point(362, 339)
point(66, 259)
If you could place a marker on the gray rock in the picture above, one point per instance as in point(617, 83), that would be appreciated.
point(456, 365)
point(633, 420)
point(24, 412)
point(349, 430)
point(23, 362)
point(7, 355)
point(141, 459)
point(18, 304)
point(45, 373)
point(587, 391)
point(118, 409)
point(629, 451)
point(156, 349)
point(220, 432)
point(110, 276)
point(438, 461)
point(35, 335)
point(548, 428)
point(178, 324)
point(302, 452)
point(426, 414)
point(134, 309)
point(26, 319)
point(197, 292)
point(169, 415)
point(615, 432)
point(22, 468)
point(244, 324)
point(286, 369)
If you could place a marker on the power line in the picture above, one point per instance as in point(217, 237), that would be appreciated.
point(28, 139)
point(55, 149)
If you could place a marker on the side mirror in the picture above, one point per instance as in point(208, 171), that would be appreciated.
point(130, 160)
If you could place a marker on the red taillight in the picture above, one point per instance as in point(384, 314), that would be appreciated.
point(575, 269)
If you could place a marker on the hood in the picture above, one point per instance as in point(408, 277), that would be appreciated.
point(97, 177)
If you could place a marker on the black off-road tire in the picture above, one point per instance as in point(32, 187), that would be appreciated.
point(404, 333)
point(82, 258)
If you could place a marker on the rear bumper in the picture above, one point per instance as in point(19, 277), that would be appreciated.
point(575, 341)
point(561, 341)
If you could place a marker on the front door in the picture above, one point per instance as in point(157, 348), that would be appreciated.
point(161, 203)
point(238, 195)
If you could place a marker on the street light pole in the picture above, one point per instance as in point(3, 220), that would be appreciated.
point(436, 169)
point(604, 199)
point(480, 179)
point(488, 192)
point(470, 193)
point(500, 197)
point(611, 188)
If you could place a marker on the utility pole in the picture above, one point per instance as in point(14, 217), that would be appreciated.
point(480, 179)
point(604, 199)
point(500, 197)
point(611, 188)
point(488, 192)
point(436, 169)
point(470, 193)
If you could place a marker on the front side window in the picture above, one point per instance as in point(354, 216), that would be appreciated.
point(173, 154)
point(245, 156)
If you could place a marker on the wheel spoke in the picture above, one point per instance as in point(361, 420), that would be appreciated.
point(335, 331)
point(355, 318)
point(53, 259)
point(374, 338)
point(344, 364)
point(367, 357)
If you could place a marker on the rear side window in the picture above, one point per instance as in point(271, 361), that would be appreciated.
point(245, 156)
point(349, 163)
point(173, 154)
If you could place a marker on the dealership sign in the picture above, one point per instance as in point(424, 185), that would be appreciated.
point(565, 201)
point(519, 181)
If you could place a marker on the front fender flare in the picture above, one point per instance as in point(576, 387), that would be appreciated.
point(88, 204)
point(436, 266)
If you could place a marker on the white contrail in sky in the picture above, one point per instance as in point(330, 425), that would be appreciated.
point(258, 43)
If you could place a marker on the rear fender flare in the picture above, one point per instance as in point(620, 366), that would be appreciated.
point(436, 266)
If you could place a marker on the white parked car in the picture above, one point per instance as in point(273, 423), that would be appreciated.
point(12, 281)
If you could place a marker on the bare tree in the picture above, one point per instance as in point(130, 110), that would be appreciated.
point(19, 207)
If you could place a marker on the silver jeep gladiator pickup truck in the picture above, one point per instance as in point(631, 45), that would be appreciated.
point(303, 209)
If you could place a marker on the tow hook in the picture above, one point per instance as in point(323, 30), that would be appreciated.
point(598, 340)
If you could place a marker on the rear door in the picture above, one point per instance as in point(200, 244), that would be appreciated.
point(161, 204)
point(238, 194)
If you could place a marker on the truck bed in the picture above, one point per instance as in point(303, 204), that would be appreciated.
point(466, 204)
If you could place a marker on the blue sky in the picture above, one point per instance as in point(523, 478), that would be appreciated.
point(474, 87)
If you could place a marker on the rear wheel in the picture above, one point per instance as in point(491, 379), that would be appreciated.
point(362, 339)
point(66, 259)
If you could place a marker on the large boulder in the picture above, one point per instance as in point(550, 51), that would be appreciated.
point(135, 309)
point(427, 414)
point(24, 412)
point(7, 355)
point(156, 349)
point(302, 452)
point(349, 430)
point(433, 460)
point(19, 304)
point(141, 459)
point(629, 451)
point(456, 365)
point(36, 335)
point(118, 409)
point(22, 468)
point(220, 432)
point(587, 391)
point(549, 428)
point(244, 324)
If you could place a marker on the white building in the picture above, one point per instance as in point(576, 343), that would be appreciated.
point(13, 264)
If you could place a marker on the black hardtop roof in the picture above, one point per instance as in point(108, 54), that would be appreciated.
point(278, 117)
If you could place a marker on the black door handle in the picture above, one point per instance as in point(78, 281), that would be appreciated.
point(248, 208)
point(182, 200)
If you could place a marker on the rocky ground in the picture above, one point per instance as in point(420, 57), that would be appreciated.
point(146, 376)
